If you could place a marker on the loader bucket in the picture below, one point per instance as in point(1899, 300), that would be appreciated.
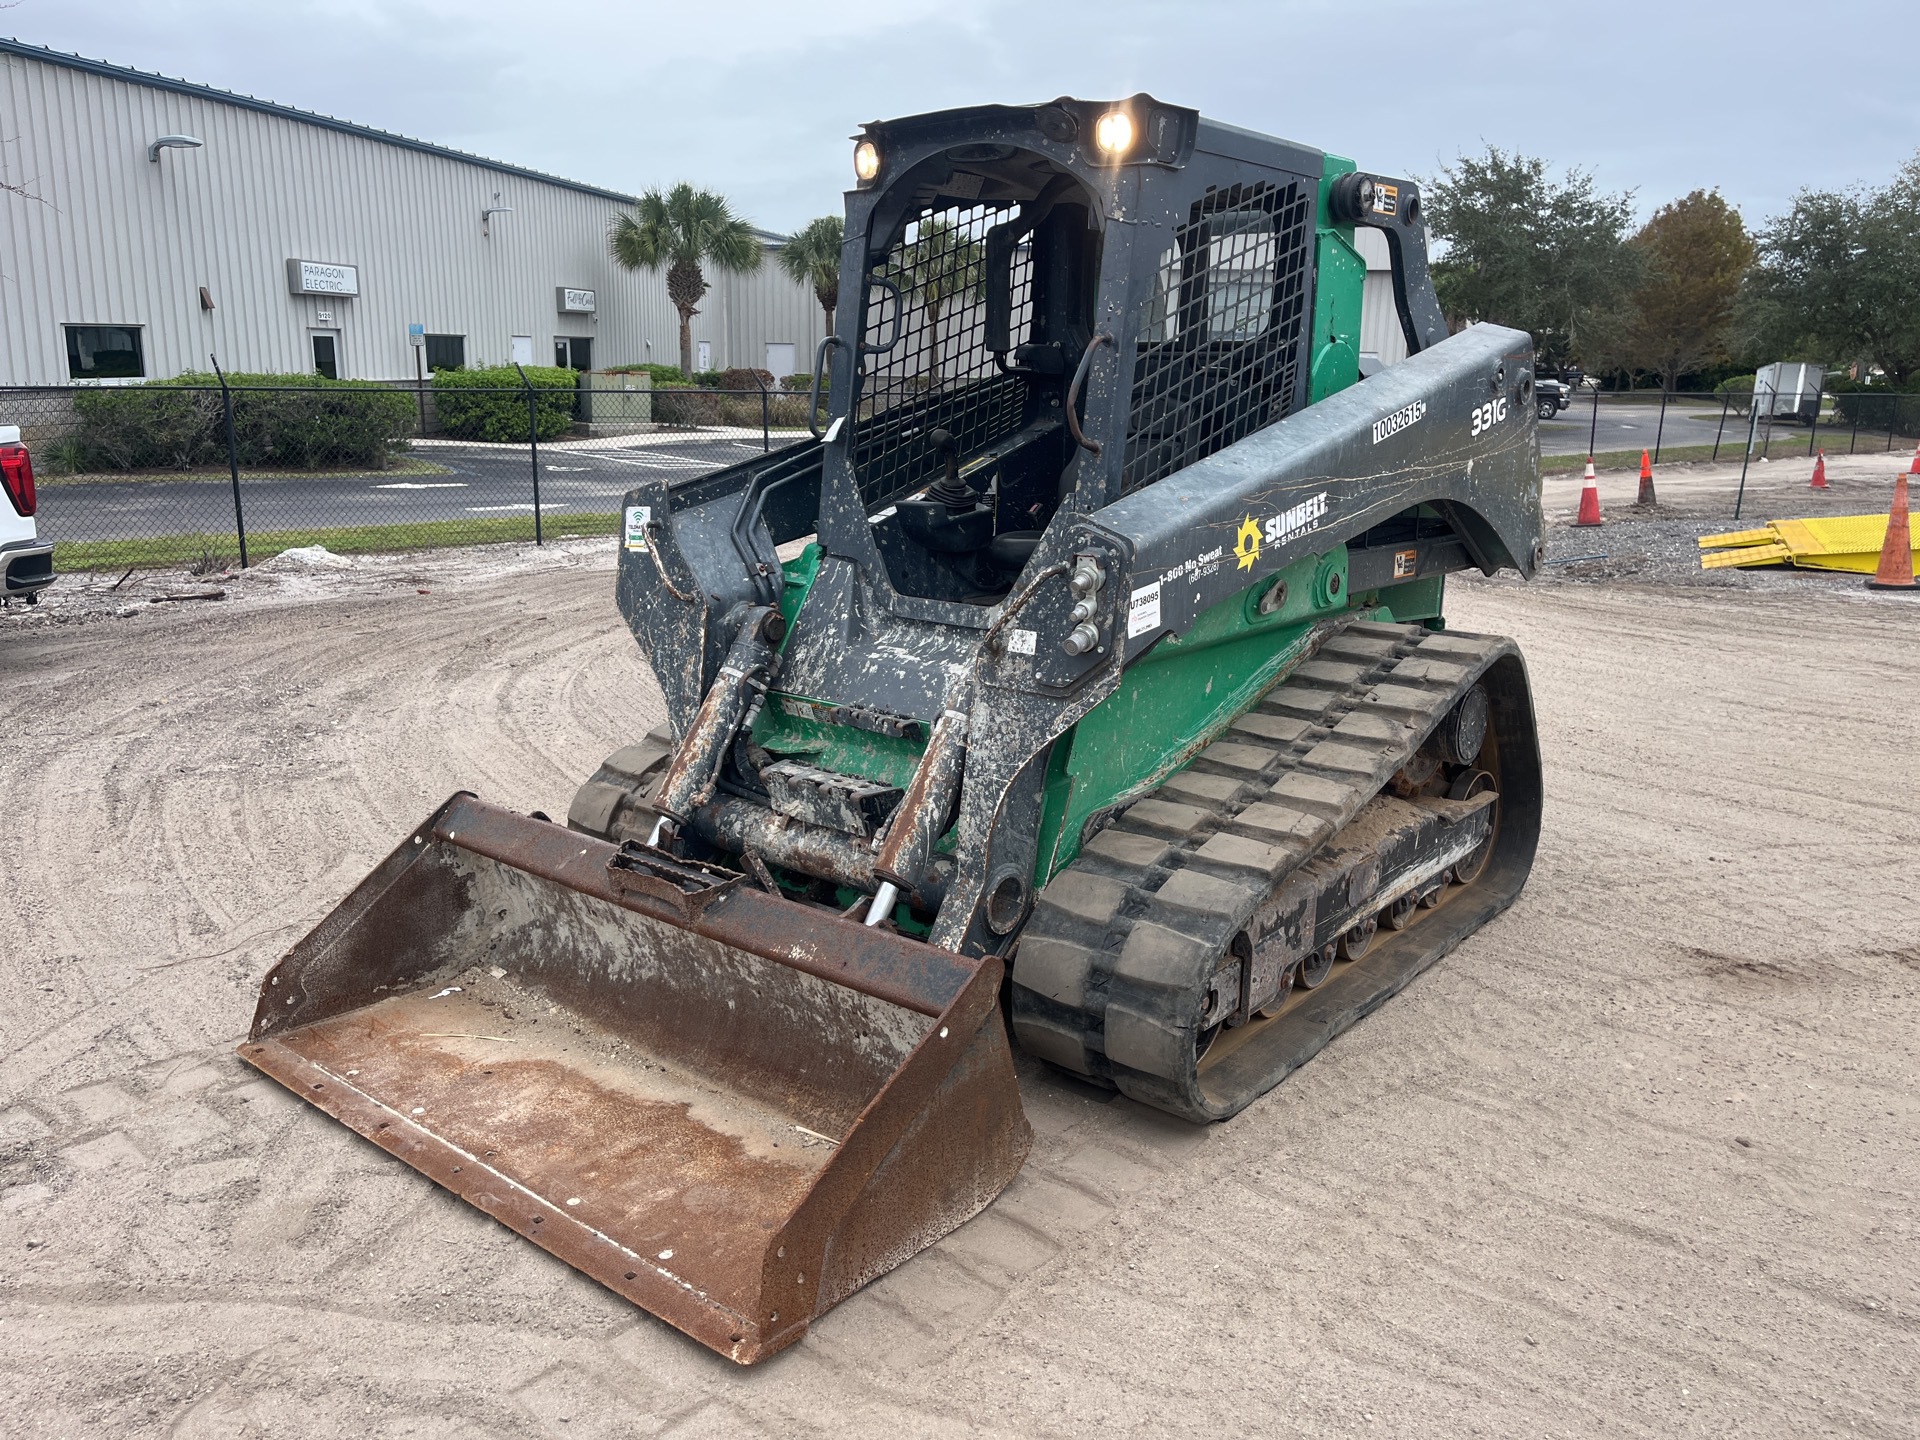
point(732, 1108)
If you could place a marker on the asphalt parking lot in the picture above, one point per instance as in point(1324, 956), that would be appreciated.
point(450, 482)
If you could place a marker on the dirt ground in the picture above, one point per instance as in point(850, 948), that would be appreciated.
point(1641, 1158)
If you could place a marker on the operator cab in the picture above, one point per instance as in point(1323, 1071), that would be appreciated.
point(1009, 354)
point(980, 277)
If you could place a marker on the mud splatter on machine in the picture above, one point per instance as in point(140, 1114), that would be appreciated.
point(1082, 680)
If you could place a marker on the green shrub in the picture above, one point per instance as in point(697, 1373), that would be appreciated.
point(1874, 406)
point(152, 426)
point(1737, 391)
point(744, 379)
point(786, 412)
point(803, 382)
point(492, 404)
point(707, 379)
point(297, 421)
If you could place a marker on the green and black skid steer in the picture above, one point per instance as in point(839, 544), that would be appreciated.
point(1081, 682)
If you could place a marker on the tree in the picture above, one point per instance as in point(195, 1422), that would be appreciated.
point(942, 263)
point(1549, 257)
point(1839, 275)
point(1695, 252)
point(812, 257)
point(682, 231)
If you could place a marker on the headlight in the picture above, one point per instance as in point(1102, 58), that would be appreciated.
point(1113, 132)
point(866, 161)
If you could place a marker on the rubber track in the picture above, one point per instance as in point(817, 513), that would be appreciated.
point(1112, 967)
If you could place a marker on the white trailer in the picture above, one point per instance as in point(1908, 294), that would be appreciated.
point(1789, 390)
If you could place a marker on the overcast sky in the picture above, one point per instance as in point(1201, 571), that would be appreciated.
point(757, 99)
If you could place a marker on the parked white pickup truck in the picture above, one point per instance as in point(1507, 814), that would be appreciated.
point(25, 563)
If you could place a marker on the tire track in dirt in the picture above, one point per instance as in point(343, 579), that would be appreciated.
point(1641, 1158)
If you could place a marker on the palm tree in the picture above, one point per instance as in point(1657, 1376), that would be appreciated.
point(812, 257)
point(942, 263)
point(683, 230)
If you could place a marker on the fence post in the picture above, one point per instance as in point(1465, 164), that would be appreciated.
point(766, 431)
point(1725, 401)
point(420, 388)
point(1753, 425)
point(233, 461)
point(1593, 429)
point(1853, 439)
point(1813, 430)
point(533, 446)
point(1661, 429)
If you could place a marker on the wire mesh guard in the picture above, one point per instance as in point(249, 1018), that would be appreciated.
point(1219, 339)
point(937, 372)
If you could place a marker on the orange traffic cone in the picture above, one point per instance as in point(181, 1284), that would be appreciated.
point(1589, 499)
point(1819, 481)
point(1913, 466)
point(1896, 555)
point(1646, 481)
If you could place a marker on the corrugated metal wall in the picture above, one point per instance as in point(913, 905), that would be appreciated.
point(1380, 330)
point(117, 239)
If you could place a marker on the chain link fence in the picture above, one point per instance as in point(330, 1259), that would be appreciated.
point(1727, 424)
point(208, 473)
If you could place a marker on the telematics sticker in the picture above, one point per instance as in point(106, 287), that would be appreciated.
point(1405, 563)
point(1143, 613)
point(1021, 642)
point(1386, 199)
point(638, 518)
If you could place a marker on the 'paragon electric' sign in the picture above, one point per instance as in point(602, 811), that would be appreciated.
point(317, 277)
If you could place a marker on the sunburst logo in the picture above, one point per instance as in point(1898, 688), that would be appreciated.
point(1246, 544)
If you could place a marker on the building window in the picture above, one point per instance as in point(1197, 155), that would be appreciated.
point(573, 352)
point(104, 352)
point(446, 352)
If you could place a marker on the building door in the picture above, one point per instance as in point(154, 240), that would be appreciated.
point(780, 361)
point(520, 350)
point(705, 352)
point(326, 353)
point(573, 352)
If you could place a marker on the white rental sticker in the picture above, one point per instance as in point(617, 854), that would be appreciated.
point(1022, 642)
point(1143, 613)
point(638, 518)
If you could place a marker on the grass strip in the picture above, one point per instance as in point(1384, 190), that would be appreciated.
point(212, 551)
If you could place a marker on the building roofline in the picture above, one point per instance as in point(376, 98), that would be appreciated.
point(41, 53)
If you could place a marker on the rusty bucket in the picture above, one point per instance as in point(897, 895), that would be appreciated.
point(731, 1108)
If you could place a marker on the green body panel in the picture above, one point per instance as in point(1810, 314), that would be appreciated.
point(783, 726)
point(1176, 699)
point(1339, 282)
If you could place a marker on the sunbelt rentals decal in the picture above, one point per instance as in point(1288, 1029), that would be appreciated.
point(1255, 535)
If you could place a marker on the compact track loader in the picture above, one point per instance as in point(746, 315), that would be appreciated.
point(1083, 680)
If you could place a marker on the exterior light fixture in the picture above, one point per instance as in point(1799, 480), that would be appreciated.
point(486, 215)
point(1113, 133)
point(172, 142)
point(866, 161)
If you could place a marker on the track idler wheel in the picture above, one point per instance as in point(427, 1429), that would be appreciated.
point(1314, 969)
point(1359, 938)
point(1467, 869)
point(1399, 913)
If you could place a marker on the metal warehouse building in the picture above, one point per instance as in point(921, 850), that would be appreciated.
point(164, 222)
